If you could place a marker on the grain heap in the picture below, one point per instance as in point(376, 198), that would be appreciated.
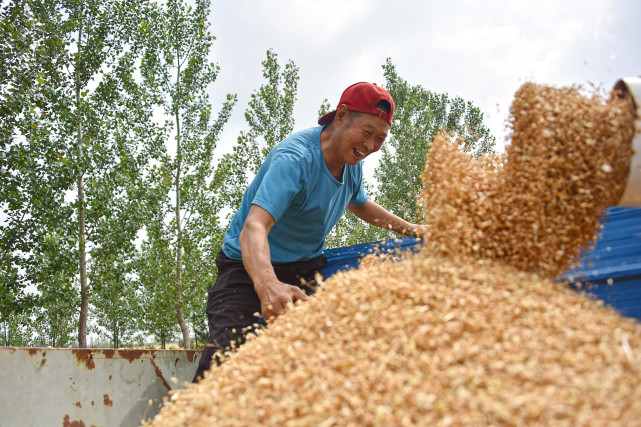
point(472, 330)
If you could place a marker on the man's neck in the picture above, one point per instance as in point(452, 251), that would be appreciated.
point(329, 147)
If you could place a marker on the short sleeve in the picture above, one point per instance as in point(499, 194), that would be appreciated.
point(280, 185)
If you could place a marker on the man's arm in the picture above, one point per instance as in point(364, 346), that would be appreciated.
point(375, 214)
point(274, 295)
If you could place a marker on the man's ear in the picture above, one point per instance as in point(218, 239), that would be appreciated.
point(342, 114)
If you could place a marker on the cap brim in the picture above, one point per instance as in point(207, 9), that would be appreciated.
point(327, 118)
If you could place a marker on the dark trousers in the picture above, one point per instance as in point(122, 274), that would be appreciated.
point(232, 303)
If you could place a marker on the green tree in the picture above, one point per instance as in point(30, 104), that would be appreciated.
point(270, 112)
point(33, 176)
point(54, 271)
point(156, 273)
point(15, 330)
point(115, 300)
point(156, 267)
point(114, 139)
point(176, 68)
point(72, 147)
point(269, 116)
point(56, 317)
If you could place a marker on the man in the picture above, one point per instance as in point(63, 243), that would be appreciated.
point(273, 248)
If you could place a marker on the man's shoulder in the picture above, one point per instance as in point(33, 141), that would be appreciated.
point(300, 143)
point(300, 153)
point(312, 133)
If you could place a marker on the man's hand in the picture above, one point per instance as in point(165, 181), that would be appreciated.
point(275, 296)
point(418, 230)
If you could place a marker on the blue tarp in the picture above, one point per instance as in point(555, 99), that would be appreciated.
point(340, 259)
point(612, 267)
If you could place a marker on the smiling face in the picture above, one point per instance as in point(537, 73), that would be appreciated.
point(350, 137)
point(362, 135)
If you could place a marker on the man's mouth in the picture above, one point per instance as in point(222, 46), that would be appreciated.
point(359, 153)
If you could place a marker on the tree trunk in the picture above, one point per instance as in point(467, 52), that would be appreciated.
point(179, 258)
point(162, 340)
point(84, 287)
point(184, 327)
point(193, 326)
point(179, 241)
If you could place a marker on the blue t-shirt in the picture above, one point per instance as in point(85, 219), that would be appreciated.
point(306, 201)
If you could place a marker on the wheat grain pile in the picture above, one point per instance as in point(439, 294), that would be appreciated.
point(472, 330)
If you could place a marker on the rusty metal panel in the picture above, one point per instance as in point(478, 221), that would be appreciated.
point(88, 387)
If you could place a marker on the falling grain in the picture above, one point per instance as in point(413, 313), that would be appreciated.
point(538, 205)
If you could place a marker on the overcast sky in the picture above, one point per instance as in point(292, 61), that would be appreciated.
point(479, 50)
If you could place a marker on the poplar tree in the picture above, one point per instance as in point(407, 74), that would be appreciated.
point(76, 142)
point(33, 171)
point(177, 69)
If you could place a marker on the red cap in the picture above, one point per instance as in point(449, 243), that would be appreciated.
point(365, 98)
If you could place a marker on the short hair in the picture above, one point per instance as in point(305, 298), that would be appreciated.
point(353, 115)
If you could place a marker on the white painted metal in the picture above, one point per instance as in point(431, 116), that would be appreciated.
point(85, 387)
